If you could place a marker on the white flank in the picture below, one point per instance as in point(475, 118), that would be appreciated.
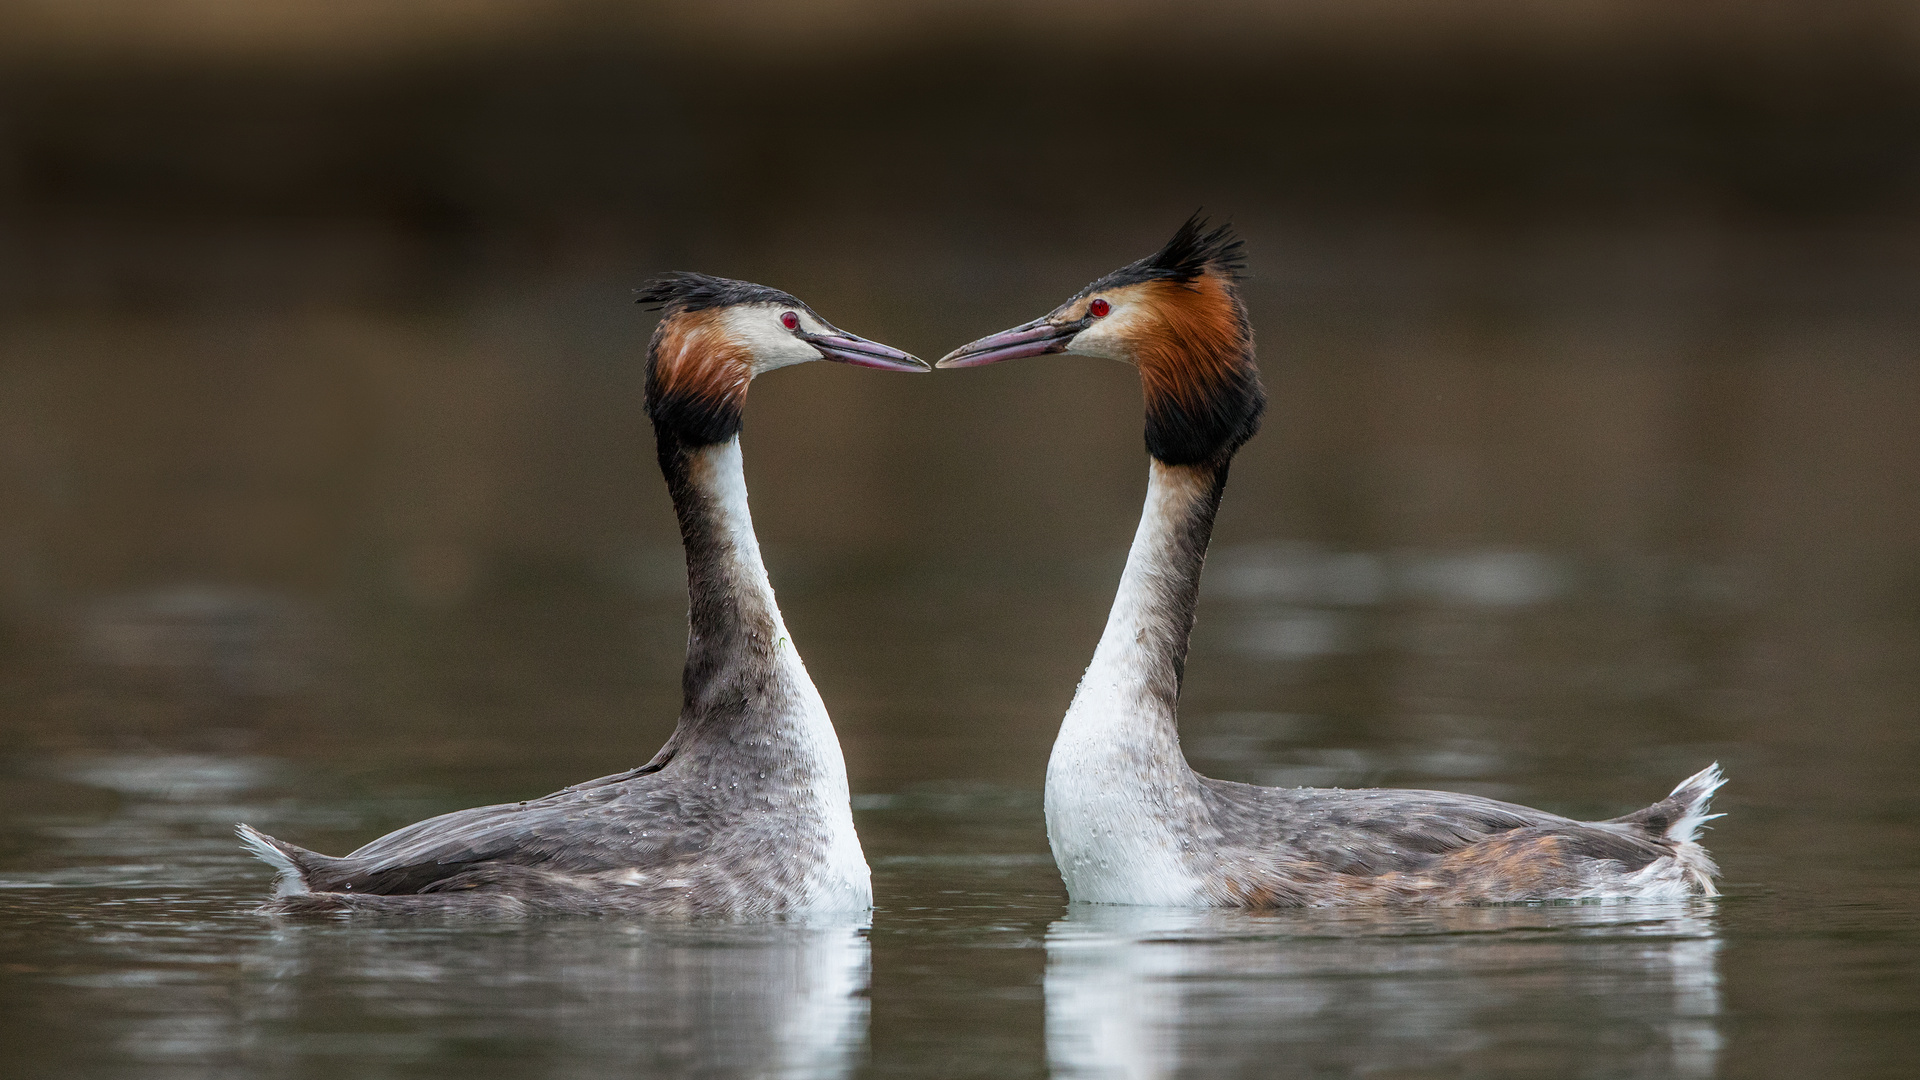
point(1700, 787)
point(292, 881)
point(1693, 859)
point(1669, 877)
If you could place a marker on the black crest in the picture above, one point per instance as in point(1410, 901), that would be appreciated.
point(1194, 250)
point(683, 291)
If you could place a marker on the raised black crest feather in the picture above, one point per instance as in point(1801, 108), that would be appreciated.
point(684, 291)
point(1193, 250)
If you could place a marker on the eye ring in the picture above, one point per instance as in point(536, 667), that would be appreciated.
point(790, 320)
point(1099, 308)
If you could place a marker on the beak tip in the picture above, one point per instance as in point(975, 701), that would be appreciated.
point(858, 351)
point(963, 357)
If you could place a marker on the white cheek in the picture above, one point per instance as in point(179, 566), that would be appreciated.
point(770, 344)
point(1107, 338)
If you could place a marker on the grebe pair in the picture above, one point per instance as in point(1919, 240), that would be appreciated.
point(745, 810)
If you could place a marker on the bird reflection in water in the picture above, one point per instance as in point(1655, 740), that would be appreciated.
point(1487, 991)
point(785, 999)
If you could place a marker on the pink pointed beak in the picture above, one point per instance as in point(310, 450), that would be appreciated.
point(1037, 338)
point(858, 351)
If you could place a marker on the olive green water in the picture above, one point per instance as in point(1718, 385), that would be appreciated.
point(329, 573)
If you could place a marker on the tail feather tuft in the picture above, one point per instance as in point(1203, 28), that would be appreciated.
point(1694, 794)
point(292, 880)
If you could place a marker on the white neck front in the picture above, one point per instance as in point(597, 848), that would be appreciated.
point(736, 621)
point(1131, 688)
point(719, 473)
point(751, 705)
point(1119, 791)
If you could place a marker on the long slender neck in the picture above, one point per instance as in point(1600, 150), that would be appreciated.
point(743, 681)
point(1129, 696)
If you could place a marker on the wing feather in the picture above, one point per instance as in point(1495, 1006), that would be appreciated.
point(1377, 831)
point(628, 823)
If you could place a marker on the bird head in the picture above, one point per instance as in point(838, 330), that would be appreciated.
point(716, 334)
point(1177, 316)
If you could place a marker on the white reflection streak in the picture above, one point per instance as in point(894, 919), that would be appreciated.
point(637, 998)
point(1139, 993)
point(1113, 996)
point(1696, 981)
point(824, 1028)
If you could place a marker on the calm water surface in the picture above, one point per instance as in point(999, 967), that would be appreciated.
point(130, 946)
point(331, 575)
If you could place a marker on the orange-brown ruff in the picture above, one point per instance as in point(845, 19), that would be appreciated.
point(1195, 345)
point(1129, 820)
point(692, 359)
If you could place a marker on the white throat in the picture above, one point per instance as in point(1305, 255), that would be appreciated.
point(720, 472)
point(1121, 799)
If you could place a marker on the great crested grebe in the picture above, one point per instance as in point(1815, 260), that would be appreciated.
point(745, 810)
point(1129, 820)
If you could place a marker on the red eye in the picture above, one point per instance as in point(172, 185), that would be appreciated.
point(1099, 308)
point(790, 320)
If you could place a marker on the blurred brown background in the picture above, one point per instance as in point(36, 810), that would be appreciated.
point(317, 358)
